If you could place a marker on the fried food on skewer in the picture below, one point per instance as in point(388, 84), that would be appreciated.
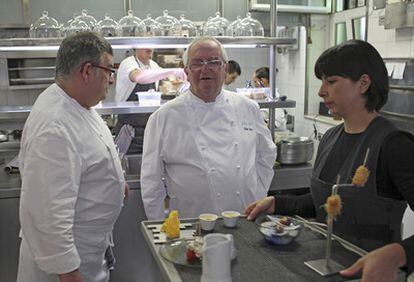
point(333, 205)
point(362, 173)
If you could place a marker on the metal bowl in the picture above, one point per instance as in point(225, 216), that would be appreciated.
point(294, 150)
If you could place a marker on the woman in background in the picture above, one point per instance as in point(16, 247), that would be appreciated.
point(355, 87)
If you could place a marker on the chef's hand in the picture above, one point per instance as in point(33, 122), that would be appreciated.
point(126, 192)
point(379, 265)
point(73, 276)
point(264, 205)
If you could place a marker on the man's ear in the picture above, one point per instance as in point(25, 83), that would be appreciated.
point(365, 83)
point(86, 71)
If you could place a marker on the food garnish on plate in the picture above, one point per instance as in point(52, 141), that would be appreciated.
point(171, 225)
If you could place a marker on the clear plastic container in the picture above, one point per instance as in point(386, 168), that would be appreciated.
point(88, 19)
point(249, 27)
point(45, 27)
point(184, 28)
point(230, 31)
point(167, 22)
point(149, 98)
point(132, 26)
point(108, 27)
point(152, 26)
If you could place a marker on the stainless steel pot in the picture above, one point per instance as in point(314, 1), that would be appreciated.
point(294, 150)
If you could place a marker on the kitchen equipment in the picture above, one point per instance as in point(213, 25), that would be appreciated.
point(249, 27)
point(217, 249)
point(294, 150)
point(132, 26)
point(184, 28)
point(220, 21)
point(167, 22)
point(45, 26)
point(108, 27)
point(153, 27)
point(88, 19)
point(285, 235)
point(231, 28)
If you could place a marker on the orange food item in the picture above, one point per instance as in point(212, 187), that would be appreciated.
point(361, 176)
point(333, 205)
point(171, 225)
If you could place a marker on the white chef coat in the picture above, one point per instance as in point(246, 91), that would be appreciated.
point(72, 190)
point(124, 85)
point(214, 156)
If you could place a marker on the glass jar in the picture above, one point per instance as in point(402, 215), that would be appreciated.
point(88, 19)
point(249, 27)
point(152, 26)
point(167, 22)
point(45, 27)
point(77, 25)
point(230, 31)
point(108, 27)
point(184, 28)
point(131, 25)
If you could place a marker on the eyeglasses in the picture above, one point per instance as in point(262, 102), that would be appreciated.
point(110, 70)
point(211, 64)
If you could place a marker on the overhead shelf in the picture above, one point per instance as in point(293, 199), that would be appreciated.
point(23, 44)
point(129, 108)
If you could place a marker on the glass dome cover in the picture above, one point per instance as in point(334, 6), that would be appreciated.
point(212, 29)
point(108, 27)
point(249, 27)
point(45, 27)
point(152, 26)
point(88, 19)
point(230, 31)
point(220, 21)
point(77, 25)
point(184, 28)
point(167, 22)
point(131, 25)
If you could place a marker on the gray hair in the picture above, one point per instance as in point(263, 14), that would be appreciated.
point(201, 39)
point(79, 48)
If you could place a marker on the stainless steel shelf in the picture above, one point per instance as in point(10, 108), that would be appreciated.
point(130, 108)
point(22, 44)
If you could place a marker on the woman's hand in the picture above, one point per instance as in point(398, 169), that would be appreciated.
point(379, 265)
point(266, 205)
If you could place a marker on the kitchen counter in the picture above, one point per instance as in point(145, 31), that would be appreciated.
point(258, 260)
point(289, 177)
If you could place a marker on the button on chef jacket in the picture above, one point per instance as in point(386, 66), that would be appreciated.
point(213, 156)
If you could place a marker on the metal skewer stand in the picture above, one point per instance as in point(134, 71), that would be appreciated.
point(327, 266)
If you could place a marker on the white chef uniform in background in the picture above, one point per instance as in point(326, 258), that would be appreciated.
point(220, 157)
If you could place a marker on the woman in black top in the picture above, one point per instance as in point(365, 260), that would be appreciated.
point(355, 87)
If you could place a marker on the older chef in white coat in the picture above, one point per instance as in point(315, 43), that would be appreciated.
point(209, 149)
point(72, 180)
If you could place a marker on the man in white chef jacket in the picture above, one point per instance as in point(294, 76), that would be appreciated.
point(209, 149)
point(72, 180)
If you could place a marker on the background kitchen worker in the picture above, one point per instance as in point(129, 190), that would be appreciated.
point(355, 87)
point(211, 146)
point(233, 72)
point(139, 73)
point(72, 180)
point(260, 78)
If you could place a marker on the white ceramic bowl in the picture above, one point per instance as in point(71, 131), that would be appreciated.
point(230, 218)
point(207, 221)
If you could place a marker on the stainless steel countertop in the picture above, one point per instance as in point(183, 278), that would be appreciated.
point(131, 108)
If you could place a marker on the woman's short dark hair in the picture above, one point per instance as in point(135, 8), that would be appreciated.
point(262, 72)
point(352, 59)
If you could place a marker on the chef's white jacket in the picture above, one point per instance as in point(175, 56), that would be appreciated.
point(207, 157)
point(72, 190)
point(124, 85)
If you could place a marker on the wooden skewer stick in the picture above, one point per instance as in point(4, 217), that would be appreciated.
point(366, 157)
